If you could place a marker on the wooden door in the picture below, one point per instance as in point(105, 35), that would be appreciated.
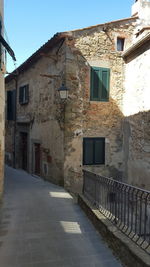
point(24, 150)
point(37, 157)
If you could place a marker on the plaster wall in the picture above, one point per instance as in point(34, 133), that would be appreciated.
point(41, 118)
point(136, 108)
point(142, 9)
point(2, 105)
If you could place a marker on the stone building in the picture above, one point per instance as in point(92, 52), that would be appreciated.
point(4, 47)
point(2, 102)
point(136, 104)
point(54, 138)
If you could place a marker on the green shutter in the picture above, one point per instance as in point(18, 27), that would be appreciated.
point(100, 79)
point(105, 80)
point(99, 151)
point(0, 43)
point(13, 104)
point(87, 151)
point(9, 97)
point(95, 83)
point(20, 95)
point(27, 93)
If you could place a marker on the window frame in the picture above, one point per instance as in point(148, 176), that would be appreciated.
point(94, 139)
point(11, 105)
point(0, 43)
point(100, 71)
point(24, 94)
point(123, 45)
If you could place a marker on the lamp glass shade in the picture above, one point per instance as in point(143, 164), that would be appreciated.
point(63, 91)
point(63, 94)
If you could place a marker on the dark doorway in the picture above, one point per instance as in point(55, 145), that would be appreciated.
point(24, 150)
point(37, 157)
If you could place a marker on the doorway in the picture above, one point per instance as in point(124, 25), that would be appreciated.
point(24, 150)
point(37, 158)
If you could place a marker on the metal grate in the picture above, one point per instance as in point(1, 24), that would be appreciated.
point(126, 206)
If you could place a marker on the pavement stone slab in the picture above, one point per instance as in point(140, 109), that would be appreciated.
point(42, 226)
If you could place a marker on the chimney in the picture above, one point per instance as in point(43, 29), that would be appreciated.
point(141, 8)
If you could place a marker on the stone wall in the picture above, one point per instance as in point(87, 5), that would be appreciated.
point(136, 108)
point(59, 127)
point(41, 119)
point(85, 118)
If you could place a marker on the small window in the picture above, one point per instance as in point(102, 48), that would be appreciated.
point(93, 151)
point(120, 44)
point(11, 104)
point(0, 44)
point(100, 82)
point(24, 94)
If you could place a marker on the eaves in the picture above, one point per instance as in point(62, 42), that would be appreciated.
point(137, 49)
point(37, 55)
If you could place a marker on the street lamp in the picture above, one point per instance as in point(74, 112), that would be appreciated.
point(63, 92)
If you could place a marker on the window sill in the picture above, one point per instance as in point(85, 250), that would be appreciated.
point(24, 103)
point(94, 165)
point(99, 101)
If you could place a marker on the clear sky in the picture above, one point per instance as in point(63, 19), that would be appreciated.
point(31, 23)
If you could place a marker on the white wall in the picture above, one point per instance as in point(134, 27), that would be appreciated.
point(2, 104)
point(137, 85)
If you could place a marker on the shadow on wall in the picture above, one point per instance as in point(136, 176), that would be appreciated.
point(136, 132)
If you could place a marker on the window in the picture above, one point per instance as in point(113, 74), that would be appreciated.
point(120, 44)
point(24, 94)
point(0, 44)
point(100, 79)
point(11, 104)
point(93, 151)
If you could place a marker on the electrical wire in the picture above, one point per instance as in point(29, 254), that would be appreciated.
point(7, 39)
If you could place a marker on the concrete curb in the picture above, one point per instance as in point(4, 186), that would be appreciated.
point(128, 252)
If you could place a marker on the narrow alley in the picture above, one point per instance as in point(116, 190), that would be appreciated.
point(42, 226)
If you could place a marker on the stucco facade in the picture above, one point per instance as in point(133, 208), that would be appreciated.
point(136, 106)
point(36, 124)
point(136, 109)
point(2, 117)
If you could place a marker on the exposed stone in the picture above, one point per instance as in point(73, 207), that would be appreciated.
point(59, 128)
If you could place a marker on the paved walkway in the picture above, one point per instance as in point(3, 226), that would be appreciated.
point(42, 226)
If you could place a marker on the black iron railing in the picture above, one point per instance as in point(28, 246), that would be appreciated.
point(128, 207)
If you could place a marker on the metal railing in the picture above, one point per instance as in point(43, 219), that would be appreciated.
point(126, 206)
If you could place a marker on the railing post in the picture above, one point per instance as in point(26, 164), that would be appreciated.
point(83, 182)
point(125, 205)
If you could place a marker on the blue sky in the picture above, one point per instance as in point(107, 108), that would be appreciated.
point(30, 23)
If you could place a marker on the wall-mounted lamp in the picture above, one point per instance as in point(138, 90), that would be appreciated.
point(63, 92)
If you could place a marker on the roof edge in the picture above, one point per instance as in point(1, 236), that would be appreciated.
point(35, 56)
point(50, 44)
point(104, 24)
point(135, 46)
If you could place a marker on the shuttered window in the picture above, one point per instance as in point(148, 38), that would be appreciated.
point(93, 151)
point(0, 43)
point(100, 80)
point(24, 94)
point(11, 104)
